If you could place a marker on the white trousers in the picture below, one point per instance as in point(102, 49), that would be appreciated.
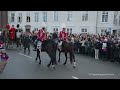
point(39, 45)
point(60, 45)
point(96, 53)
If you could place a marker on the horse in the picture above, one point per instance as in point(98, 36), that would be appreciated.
point(49, 46)
point(67, 47)
point(6, 36)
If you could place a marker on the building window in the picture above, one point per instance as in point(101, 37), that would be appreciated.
point(85, 16)
point(44, 16)
point(35, 29)
point(20, 17)
point(36, 16)
point(84, 30)
point(105, 16)
point(12, 17)
point(69, 31)
point(69, 16)
point(55, 30)
point(103, 31)
point(28, 17)
point(115, 20)
point(55, 15)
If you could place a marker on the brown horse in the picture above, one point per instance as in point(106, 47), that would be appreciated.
point(68, 47)
point(49, 47)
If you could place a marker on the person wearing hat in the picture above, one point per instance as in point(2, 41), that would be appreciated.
point(62, 37)
point(12, 33)
point(8, 26)
point(42, 35)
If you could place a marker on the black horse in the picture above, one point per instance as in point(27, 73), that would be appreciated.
point(68, 47)
point(49, 46)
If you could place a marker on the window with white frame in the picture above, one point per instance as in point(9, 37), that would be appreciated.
point(28, 17)
point(55, 30)
point(44, 16)
point(69, 31)
point(36, 16)
point(20, 17)
point(85, 16)
point(115, 20)
point(12, 17)
point(69, 16)
point(84, 30)
point(103, 31)
point(105, 16)
point(55, 15)
point(35, 29)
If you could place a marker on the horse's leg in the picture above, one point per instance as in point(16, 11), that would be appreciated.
point(20, 45)
point(49, 63)
point(55, 57)
point(74, 61)
point(66, 58)
point(17, 42)
point(52, 60)
point(53, 66)
point(71, 57)
point(39, 58)
point(59, 56)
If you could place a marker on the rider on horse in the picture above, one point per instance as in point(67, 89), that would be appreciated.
point(62, 37)
point(41, 37)
point(12, 32)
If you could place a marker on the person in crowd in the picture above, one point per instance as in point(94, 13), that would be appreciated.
point(27, 42)
point(97, 48)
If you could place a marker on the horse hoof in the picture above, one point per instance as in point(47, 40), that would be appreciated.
point(53, 66)
point(64, 64)
point(40, 63)
point(74, 67)
point(48, 66)
point(59, 61)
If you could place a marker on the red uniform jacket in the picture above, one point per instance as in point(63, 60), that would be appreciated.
point(63, 36)
point(8, 26)
point(12, 33)
point(41, 35)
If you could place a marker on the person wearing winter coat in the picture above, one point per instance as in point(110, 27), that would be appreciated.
point(97, 48)
point(26, 43)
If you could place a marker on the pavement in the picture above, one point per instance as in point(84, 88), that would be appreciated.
point(21, 66)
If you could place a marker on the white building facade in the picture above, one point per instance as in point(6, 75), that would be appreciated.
point(94, 22)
